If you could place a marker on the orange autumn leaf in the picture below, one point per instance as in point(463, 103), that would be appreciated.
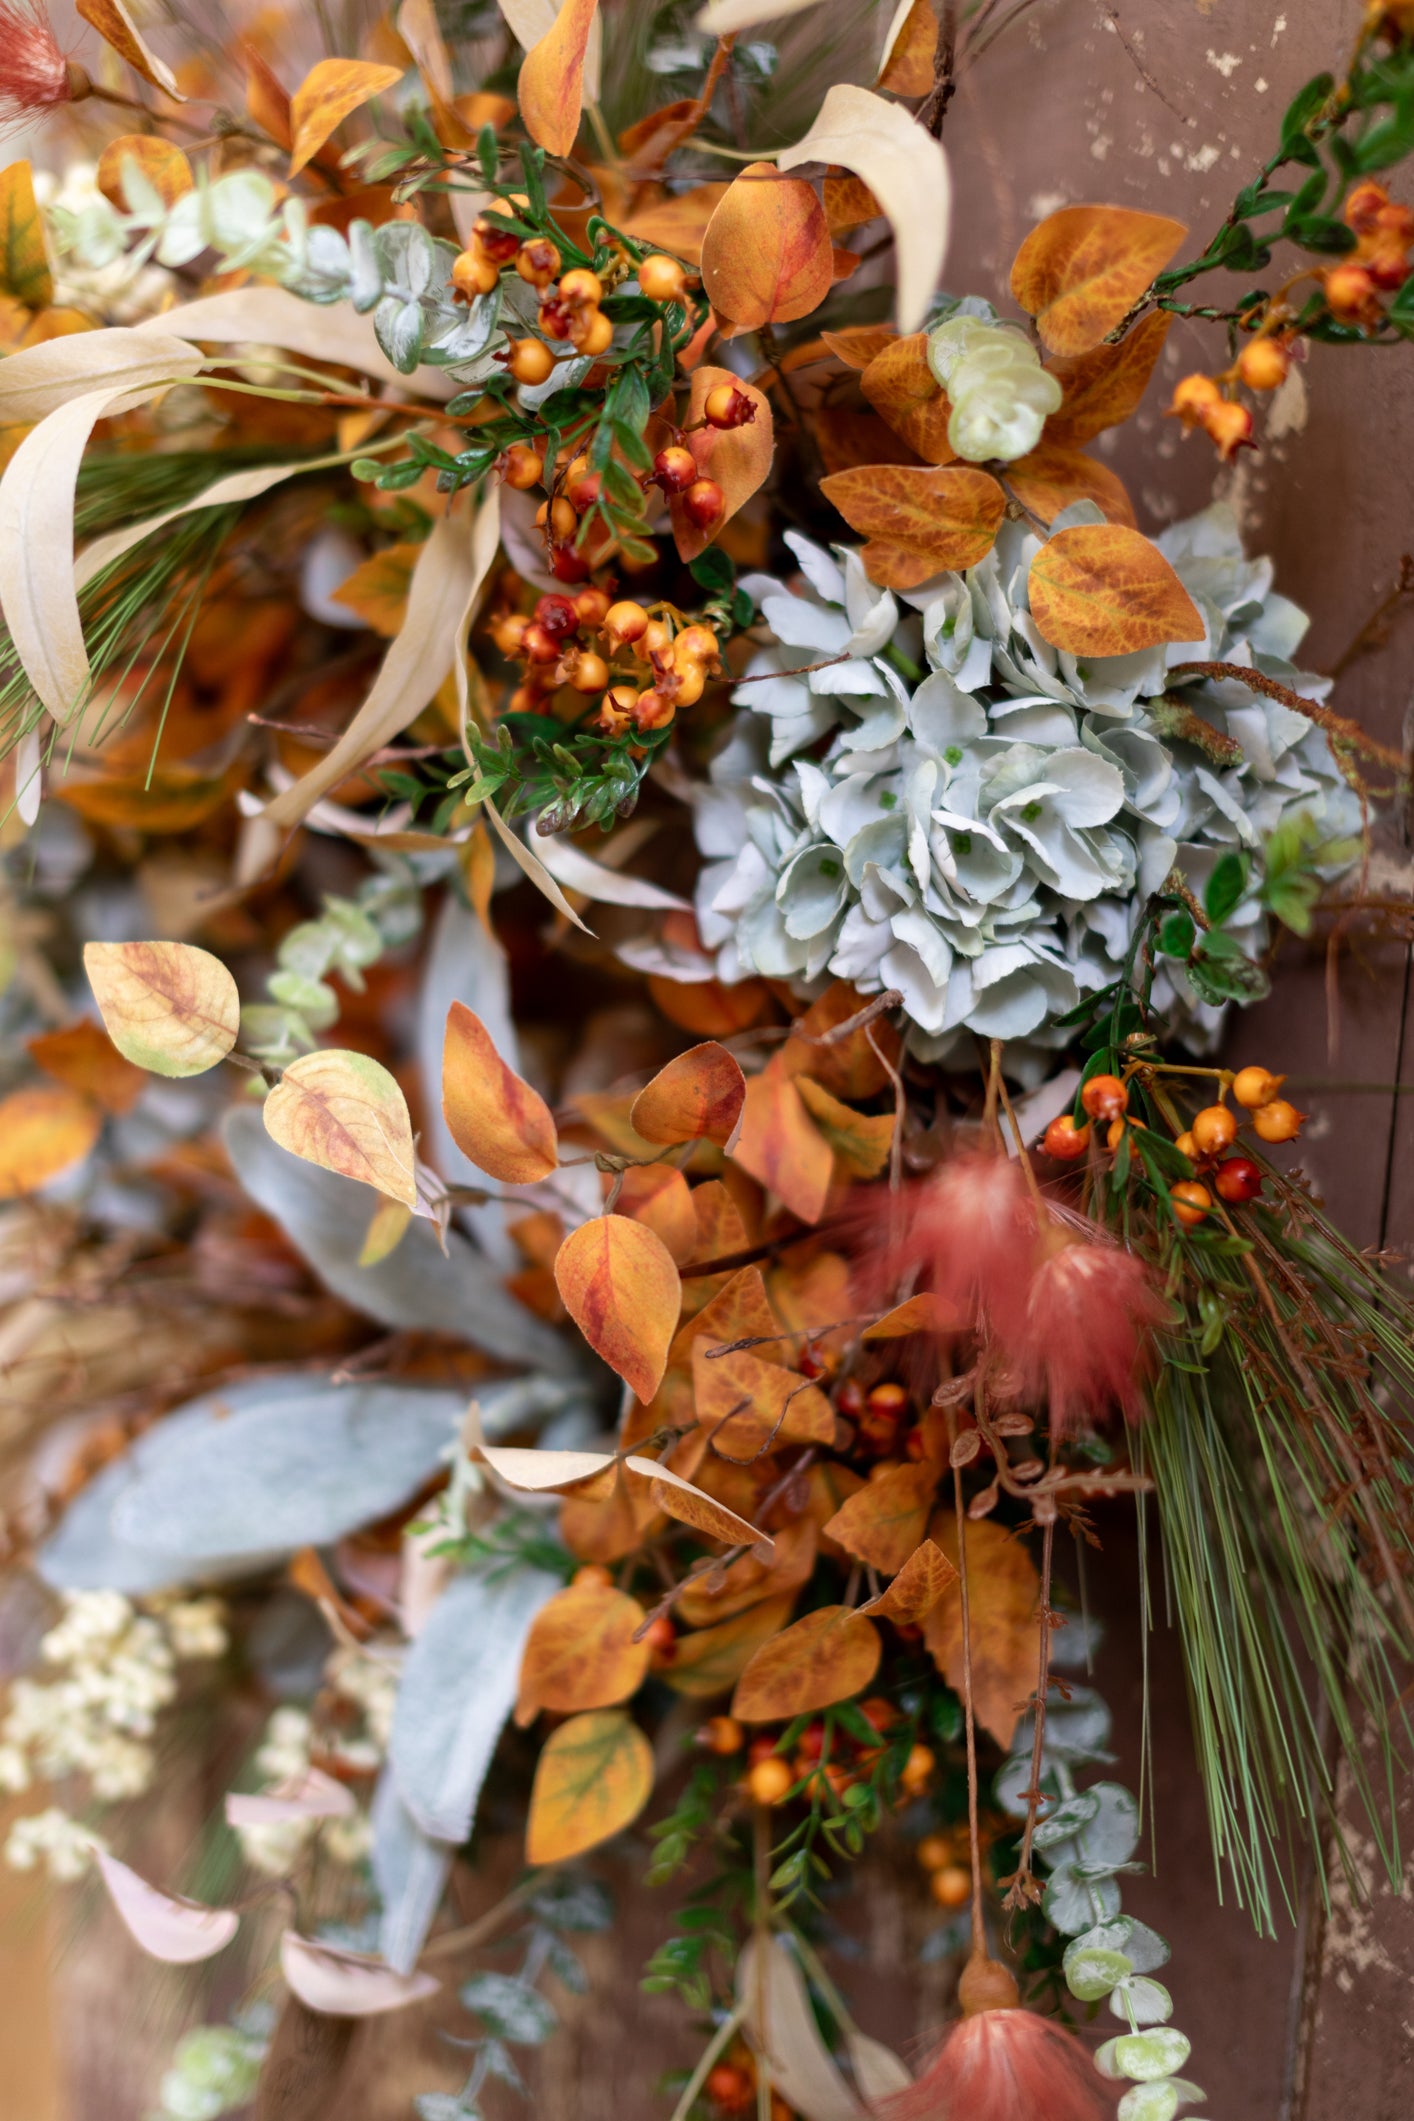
point(709, 1661)
point(1002, 1589)
point(266, 100)
point(164, 166)
point(115, 25)
point(619, 1285)
point(329, 93)
point(43, 1132)
point(593, 1778)
point(903, 390)
point(697, 1097)
point(580, 1652)
point(1081, 270)
point(1103, 589)
point(849, 203)
point(858, 344)
point(677, 224)
point(886, 1520)
point(1050, 478)
point(749, 1405)
point(659, 1196)
point(909, 68)
point(24, 255)
point(920, 1314)
point(861, 1140)
point(937, 517)
point(84, 1058)
point(377, 590)
point(706, 1007)
point(824, 1658)
point(737, 458)
point(690, 1505)
point(748, 1580)
point(738, 1311)
point(551, 85)
point(916, 1589)
point(780, 1144)
point(767, 256)
point(852, 1063)
point(1104, 386)
point(495, 1118)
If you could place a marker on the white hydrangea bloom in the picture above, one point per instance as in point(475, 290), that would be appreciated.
point(981, 817)
point(53, 1838)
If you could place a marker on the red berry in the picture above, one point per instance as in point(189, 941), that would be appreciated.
point(703, 503)
point(1237, 1180)
point(1105, 1097)
point(1064, 1140)
point(557, 615)
point(729, 406)
point(539, 644)
point(674, 469)
point(567, 565)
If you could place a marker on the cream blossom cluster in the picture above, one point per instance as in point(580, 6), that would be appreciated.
point(921, 794)
point(1000, 394)
point(287, 1751)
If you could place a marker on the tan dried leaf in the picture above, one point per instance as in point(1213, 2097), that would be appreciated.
point(168, 1007)
point(345, 1112)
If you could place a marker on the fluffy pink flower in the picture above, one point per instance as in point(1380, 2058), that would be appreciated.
point(1080, 1339)
point(968, 1233)
point(1007, 2065)
point(34, 74)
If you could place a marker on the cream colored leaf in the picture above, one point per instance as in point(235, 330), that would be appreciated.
point(236, 486)
point(341, 1984)
point(722, 17)
point(114, 23)
point(579, 872)
point(907, 172)
point(167, 1007)
point(179, 1931)
point(271, 316)
point(682, 1500)
point(774, 2001)
point(878, 2071)
point(526, 859)
point(39, 379)
point(345, 1113)
point(541, 1470)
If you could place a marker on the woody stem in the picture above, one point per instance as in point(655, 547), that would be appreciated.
point(974, 1835)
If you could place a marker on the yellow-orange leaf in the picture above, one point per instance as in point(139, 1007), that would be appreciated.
point(345, 1113)
point(1103, 589)
point(24, 259)
point(918, 1586)
point(84, 1058)
point(690, 1505)
point(164, 166)
point(920, 1314)
point(266, 100)
point(749, 1405)
point(910, 56)
point(767, 256)
point(697, 1097)
point(1050, 478)
point(1002, 1587)
point(903, 390)
point(659, 1196)
point(551, 86)
point(580, 1652)
point(1081, 271)
point(327, 95)
point(737, 458)
point(709, 1661)
point(495, 1118)
point(377, 590)
point(43, 1131)
point(849, 203)
point(850, 1063)
point(884, 1522)
point(739, 1310)
point(747, 1580)
point(825, 1657)
point(679, 223)
point(858, 344)
point(860, 1140)
point(387, 1227)
point(167, 1007)
point(593, 1778)
point(1103, 387)
point(618, 1283)
point(781, 1145)
point(114, 23)
point(937, 517)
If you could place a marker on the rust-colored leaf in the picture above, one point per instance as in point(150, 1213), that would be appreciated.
point(1050, 478)
point(24, 257)
point(1081, 270)
point(737, 458)
point(1002, 1588)
point(936, 517)
point(266, 100)
point(84, 1058)
point(619, 1285)
point(344, 1112)
point(495, 1118)
point(709, 1661)
point(858, 344)
point(114, 23)
point(920, 1314)
point(164, 166)
point(749, 1579)
point(677, 223)
point(911, 58)
point(849, 203)
point(1104, 386)
point(903, 390)
point(824, 1658)
point(43, 1132)
point(593, 1778)
point(916, 1589)
point(1103, 589)
point(854, 1064)
point(738, 1309)
point(749, 1406)
point(551, 85)
point(781, 1145)
point(658, 1195)
point(767, 256)
point(887, 1518)
point(329, 93)
point(377, 590)
point(580, 1652)
point(860, 1140)
point(697, 1097)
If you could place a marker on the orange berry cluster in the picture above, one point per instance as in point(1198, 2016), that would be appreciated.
point(556, 646)
point(1199, 401)
point(770, 1776)
point(1379, 264)
point(945, 1858)
point(731, 2088)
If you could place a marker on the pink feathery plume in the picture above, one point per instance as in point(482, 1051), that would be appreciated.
point(34, 74)
point(1007, 2065)
point(967, 1233)
point(1081, 1339)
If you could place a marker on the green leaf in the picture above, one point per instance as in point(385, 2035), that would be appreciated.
point(1320, 233)
point(488, 152)
point(1225, 887)
point(713, 571)
point(1177, 933)
point(1304, 107)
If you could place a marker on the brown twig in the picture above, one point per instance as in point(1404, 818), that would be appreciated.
point(944, 88)
point(1023, 1887)
point(1338, 727)
point(974, 1834)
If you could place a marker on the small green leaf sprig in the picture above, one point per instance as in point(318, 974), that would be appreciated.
point(349, 935)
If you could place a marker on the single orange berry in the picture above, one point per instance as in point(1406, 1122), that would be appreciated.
point(624, 622)
point(539, 644)
point(1213, 1129)
point(1187, 1146)
point(1105, 1097)
point(582, 288)
point(696, 644)
point(654, 711)
point(595, 336)
point(538, 261)
point(1191, 1202)
point(703, 503)
point(522, 467)
point(616, 710)
point(661, 279)
point(1362, 208)
point(769, 1780)
point(918, 1769)
point(688, 685)
point(890, 1399)
point(507, 630)
point(655, 640)
point(582, 486)
point(1229, 426)
point(531, 360)
point(933, 1851)
point(593, 1572)
point(951, 1886)
point(474, 274)
point(1255, 1086)
point(1192, 397)
point(1237, 1180)
point(1351, 294)
point(721, 1734)
point(1263, 364)
point(590, 607)
point(1064, 1140)
point(728, 405)
point(590, 673)
point(559, 518)
point(1278, 1121)
point(495, 241)
point(1115, 1132)
point(674, 469)
point(555, 318)
point(662, 1640)
point(730, 2088)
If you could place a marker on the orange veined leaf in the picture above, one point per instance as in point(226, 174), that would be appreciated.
point(749, 1406)
point(551, 85)
point(919, 1314)
point(115, 25)
point(580, 1652)
point(780, 1144)
point(713, 1658)
point(593, 1778)
point(44, 1130)
point(886, 1520)
point(903, 390)
point(157, 161)
point(1081, 270)
point(659, 1196)
point(858, 344)
point(1002, 1590)
point(767, 256)
point(916, 1589)
point(739, 1310)
point(748, 1580)
point(936, 516)
point(618, 1283)
point(84, 1058)
point(266, 100)
point(861, 1140)
point(1050, 478)
point(848, 202)
point(1103, 387)
point(824, 1658)
point(377, 590)
point(1103, 589)
point(330, 92)
point(851, 1063)
point(736, 458)
point(345, 1112)
point(697, 1097)
point(495, 1117)
point(692, 1506)
point(24, 256)
point(168, 1007)
point(910, 50)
